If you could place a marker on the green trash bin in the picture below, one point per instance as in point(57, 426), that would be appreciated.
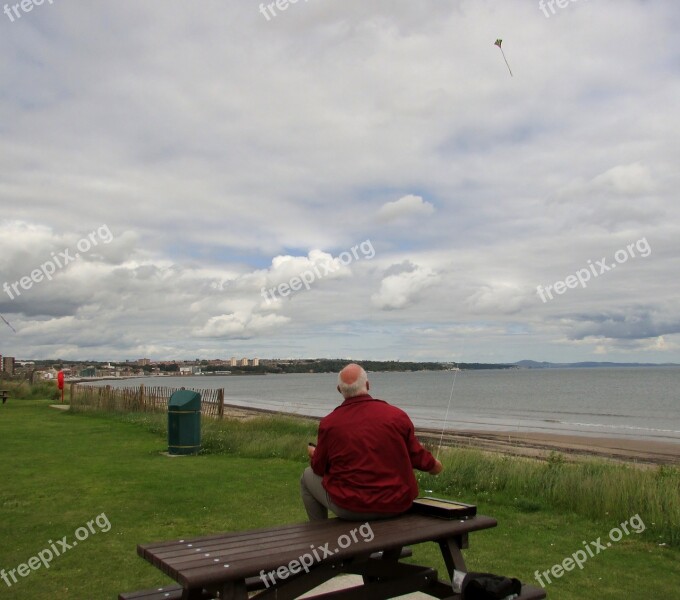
point(184, 422)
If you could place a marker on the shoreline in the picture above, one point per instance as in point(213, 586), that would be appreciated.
point(573, 447)
point(525, 444)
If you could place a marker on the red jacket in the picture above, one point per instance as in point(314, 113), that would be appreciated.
point(366, 454)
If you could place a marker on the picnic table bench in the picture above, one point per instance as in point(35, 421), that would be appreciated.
point(230, 565)
point(4, 394)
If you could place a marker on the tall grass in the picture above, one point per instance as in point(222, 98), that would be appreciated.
point(599, 490)
point(262, 437)
point(270, 436)
point(23, 390)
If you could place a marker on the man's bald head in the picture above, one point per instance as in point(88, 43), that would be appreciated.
point(352, 381)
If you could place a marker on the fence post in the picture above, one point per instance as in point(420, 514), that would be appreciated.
point(141, 395)
point(220, 400)
point(70, 393)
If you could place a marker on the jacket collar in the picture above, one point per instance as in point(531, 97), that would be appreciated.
point(357, 399)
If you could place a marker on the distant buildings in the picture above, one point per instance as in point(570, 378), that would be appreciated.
point(7, 364)
point(47, 369)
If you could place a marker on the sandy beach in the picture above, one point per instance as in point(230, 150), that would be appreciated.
point(536, 445)
point(539, 445)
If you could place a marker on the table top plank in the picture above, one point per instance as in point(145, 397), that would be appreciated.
point(201, 561)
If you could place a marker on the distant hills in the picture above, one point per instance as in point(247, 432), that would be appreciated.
point(532, 364)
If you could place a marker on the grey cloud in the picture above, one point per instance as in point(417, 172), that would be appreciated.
point(633, 324)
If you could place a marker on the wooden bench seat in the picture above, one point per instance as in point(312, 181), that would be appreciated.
point(174, 592)
point(169, 592)
point(233, 565)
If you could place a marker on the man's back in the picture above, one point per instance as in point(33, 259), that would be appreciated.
point(366, 454)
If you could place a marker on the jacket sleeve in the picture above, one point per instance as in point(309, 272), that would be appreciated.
point(421, 458)
point(320, 458)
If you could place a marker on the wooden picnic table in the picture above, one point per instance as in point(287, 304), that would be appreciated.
point(230, 565)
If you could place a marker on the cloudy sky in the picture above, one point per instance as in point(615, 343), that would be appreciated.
point(341, 179)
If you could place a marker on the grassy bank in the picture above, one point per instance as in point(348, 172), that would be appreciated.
point(62, 470)
point(597, 490)
point(23, 390)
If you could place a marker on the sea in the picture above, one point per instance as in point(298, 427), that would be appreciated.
point(633, 402)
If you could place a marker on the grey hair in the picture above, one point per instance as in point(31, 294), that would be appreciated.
point(349, 390)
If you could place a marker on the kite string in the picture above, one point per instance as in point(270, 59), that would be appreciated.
point(8, 324)
point(506, 62)
point(448, 408)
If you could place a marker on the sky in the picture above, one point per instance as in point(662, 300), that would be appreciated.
point(350, 179)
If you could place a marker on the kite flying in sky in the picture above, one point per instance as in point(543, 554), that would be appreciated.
point(498, 43)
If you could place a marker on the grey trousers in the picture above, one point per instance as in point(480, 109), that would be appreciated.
point(317, 501)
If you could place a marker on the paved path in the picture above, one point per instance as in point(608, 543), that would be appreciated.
point(344, 581)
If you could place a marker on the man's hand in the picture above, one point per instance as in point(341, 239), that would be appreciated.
point(437, 468)
point(310, 450)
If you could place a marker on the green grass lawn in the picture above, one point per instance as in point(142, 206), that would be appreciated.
point(61, 470)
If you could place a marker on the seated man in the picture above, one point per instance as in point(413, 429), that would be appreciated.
point(362, 467)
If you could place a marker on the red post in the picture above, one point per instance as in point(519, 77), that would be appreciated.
point(60, 384)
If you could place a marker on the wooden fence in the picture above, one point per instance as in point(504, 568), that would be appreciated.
point(140, 399)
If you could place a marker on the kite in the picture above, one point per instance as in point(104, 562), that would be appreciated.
point(8, 324)
point(498, 43)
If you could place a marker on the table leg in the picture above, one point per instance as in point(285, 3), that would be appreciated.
point(391, 555)
point(234, 590)
point(192, 594)
point(453, 557)
point(287, 590)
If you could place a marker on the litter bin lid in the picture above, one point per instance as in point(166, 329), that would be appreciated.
point(185, 400)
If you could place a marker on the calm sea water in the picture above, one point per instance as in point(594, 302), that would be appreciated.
point(632, 402)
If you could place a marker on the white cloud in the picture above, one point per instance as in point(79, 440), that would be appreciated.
point(403, 289)
point(317, 264)
point(630, 180)
point(660, 344)
point(406, 206)
point(499, 298)
point(240, 325)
